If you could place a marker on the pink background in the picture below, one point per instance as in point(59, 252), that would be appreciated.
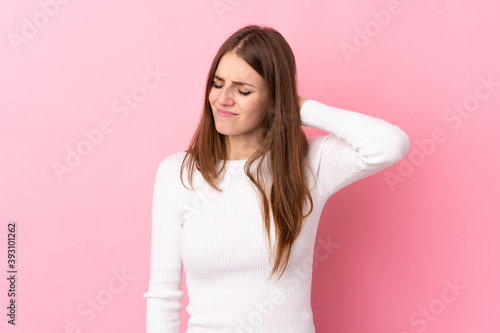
point(401, 233)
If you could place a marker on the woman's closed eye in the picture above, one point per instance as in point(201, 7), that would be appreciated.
point(244, 93)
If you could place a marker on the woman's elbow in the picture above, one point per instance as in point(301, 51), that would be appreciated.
point(399, 145)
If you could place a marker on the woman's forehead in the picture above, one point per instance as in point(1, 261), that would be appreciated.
point(233, 68)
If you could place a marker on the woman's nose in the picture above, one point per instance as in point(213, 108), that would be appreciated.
point(226, 96)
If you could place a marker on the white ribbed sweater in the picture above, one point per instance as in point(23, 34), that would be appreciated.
point(219, 237)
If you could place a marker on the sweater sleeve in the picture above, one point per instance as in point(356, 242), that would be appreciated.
point(357, 145)
point(163, 298)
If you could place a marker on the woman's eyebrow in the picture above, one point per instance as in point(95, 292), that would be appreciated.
point(239, 83)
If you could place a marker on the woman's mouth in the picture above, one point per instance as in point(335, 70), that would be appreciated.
point(224, 113)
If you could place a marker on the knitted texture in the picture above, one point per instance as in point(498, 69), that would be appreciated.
point(219, 237)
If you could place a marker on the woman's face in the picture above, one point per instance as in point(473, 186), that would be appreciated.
point(240, 90)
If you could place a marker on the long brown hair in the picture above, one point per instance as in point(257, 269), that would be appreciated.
point(268, 53)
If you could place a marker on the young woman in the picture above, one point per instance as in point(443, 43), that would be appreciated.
point(245, 228)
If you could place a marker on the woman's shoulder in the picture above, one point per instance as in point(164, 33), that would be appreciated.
point(316, 145)
point(173, 161)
